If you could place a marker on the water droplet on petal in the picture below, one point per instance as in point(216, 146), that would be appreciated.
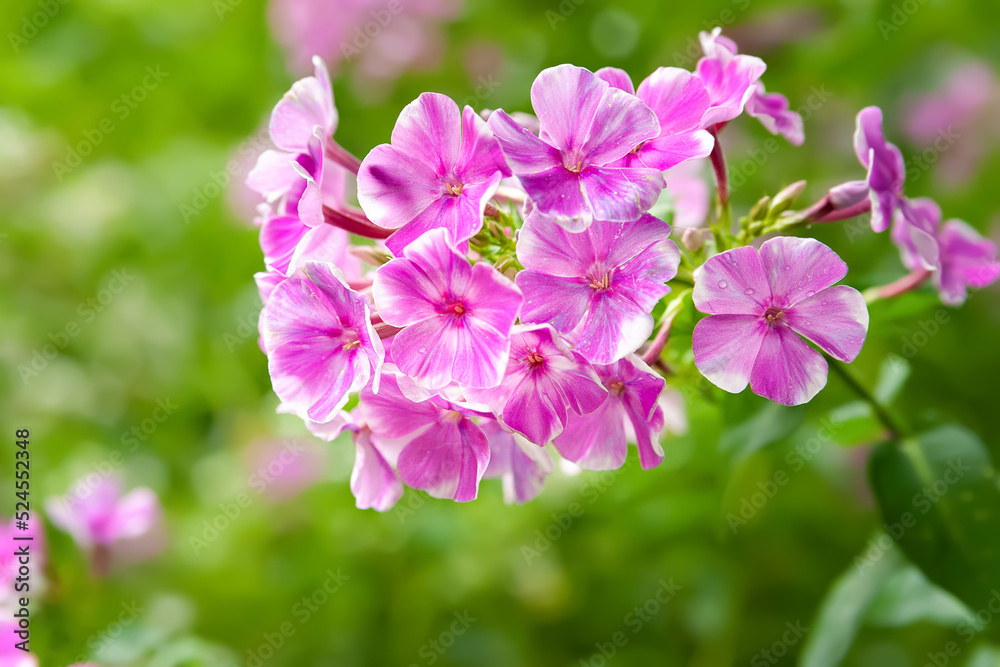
point(749, 290)
point(787, 268)
point(723, 284)
point(810, 293)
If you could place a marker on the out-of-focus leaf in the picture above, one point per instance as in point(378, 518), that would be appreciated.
point(770, 424)
point(939, 499)
point(855, 424)
point(908, 597)
point(895, 370)
point(843, 610)
point(985, 656)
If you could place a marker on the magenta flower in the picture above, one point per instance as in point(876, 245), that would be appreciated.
point(597, 441)
point(100, 516)
point(679, 100)
point(915, 232)
point(958, 255)
point(446, 453)
point(545, 382)
point(773, 112)
point(600, 284)
point(571, 170)
point(320, 342)
point(884, 162)
point(730, 79)
point(301, 126)
point(373, 480)
point(456, 318)
point(760, 303)
point(440, 170)
point(521, 466)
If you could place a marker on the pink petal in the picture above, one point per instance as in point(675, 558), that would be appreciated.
point(561, 302)
point(729, 85)
point(461, 215)
point(835, 319)
point(616, 78)
point(566, 100)
point(481, 156)
point(390, 414)
point(279, 236)
point(620, 195)
point(725, 348)
point(521, 465)
point(394, 188)
point(677, 97)
point(524, 152)
point(798, 268)
point(373, 482)
point(135, 514)
point(596, 441)
point(430, 129)
point(969, 260)
point(732, 282)
point(309, 103)
point(447, 460)
point(787, 370)
point(273, 175)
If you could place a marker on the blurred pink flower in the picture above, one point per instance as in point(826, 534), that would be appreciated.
point(284, 468)
point(957, 120)
point(108, 524)
point(383, 38)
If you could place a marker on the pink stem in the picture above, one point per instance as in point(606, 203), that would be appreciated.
point(719, 166)
point(355, 223)
point(907, 283)
point(863, 206)
point(341, 156)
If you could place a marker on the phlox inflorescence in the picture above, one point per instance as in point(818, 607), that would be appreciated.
point(493, 291)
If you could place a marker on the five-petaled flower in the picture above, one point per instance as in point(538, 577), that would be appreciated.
point(446, 453)
point(545, 383)
point(440, 170)
point(600, 284)
point(760, 303)
point(597, 440)
point(320, 342)
point(959, 257)
point(455, 318)
point(572, 171)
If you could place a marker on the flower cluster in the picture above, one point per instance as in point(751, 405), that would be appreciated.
point(498, 282)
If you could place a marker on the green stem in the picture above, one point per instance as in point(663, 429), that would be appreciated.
point(880, 412)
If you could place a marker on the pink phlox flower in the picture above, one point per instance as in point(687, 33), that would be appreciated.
point(572, 170)
point(760, 303)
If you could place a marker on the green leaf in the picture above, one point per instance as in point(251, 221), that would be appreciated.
point(908, 597)
point(891, 378)
point(843, 610)
point(939, 499)
point(770, 424)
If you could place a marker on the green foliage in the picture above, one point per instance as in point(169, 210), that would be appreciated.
point(145, 199)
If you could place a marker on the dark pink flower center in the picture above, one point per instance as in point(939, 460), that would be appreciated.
point(534, 359)
point(456, 309)
point(616, 387)
point(774, 316)
point(454, 187)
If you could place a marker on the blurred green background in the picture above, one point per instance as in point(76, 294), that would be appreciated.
point(184, 330)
